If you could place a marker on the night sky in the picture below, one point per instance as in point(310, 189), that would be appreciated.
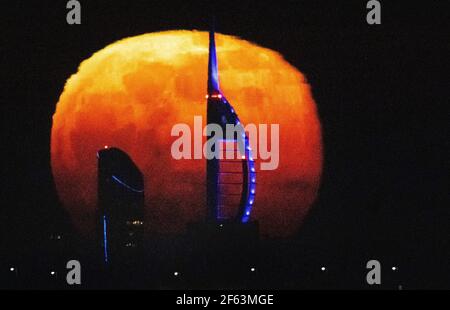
point(378, 90)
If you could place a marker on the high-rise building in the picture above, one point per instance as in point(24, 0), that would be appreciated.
point(121, 205)
point(231, 174)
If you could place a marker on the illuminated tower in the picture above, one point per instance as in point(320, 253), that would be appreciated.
point(121, 205)
point(231, 180)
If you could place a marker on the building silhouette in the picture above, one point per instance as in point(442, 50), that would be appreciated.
point(231, 174)
point(228, 242)
point(121, 206)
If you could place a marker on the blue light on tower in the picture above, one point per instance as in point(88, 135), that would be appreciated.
point(105, 239)
point(126, 185)
point(220, 111)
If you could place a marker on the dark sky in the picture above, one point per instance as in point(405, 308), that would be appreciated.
point(378, 90)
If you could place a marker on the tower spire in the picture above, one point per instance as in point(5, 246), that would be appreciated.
point(213, 73)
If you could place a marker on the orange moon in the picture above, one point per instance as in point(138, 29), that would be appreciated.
point(131, 93)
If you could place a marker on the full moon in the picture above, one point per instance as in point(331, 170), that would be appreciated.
point(131, 93)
